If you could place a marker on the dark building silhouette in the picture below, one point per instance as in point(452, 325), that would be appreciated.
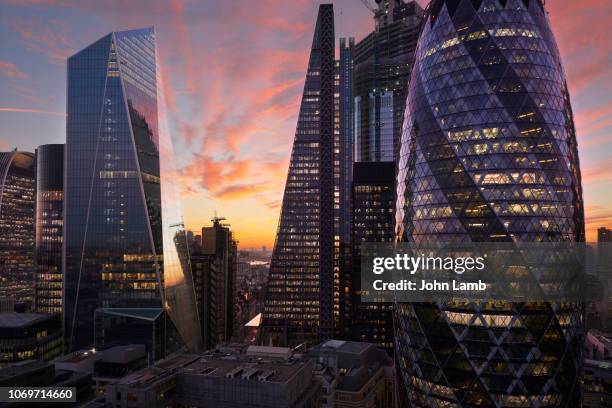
point(489, 154)
point(125, 251)
point(17, 206)
point(49, 227)
point(343, 171)
point(373, 221)
point(604, 234)
point(381, 69)
point(382, 64)
point(214, 273)
point(300, 300)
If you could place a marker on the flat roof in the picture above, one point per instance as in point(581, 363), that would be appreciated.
point(14, 320)
point(280, 371)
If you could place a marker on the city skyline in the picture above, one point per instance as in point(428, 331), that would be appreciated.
point(233, 99)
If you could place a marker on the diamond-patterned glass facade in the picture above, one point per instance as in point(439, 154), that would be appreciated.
point(300, 299)
point(488, 154)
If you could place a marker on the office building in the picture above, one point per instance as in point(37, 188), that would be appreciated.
point(353, 375)
point(343, 170)
point(489, 154)
point(214, 274)
point(29, 336)
point(382, 64)
point(230, 377)
point(49, 228)
point(17, 206)
point(597, 377)
point(299, 304)
point(125, 251)
point(38, 374)
point(373, 221)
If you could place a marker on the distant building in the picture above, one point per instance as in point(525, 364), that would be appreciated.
point(17, 206)
point(354, 375)
point(49, 228)
point(604, 235)
point(230, 377)
point(29, 336)
point(214, 274)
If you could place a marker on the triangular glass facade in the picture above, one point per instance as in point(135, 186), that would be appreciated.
point(116, 244)
point(299, 302)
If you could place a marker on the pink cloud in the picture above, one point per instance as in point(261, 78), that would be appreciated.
point(48, 37)
point(27, 110)
point(10, 70)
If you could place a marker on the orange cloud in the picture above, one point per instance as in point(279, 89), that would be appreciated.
point(26, 110)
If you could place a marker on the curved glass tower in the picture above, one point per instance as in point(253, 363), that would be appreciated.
point(488, 154)
point(17, 206)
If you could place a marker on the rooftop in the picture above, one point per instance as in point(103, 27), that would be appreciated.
point(15, 320)
point(123, 354)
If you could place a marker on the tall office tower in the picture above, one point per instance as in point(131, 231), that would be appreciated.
point(17, 206)
point(373, 221)
point(489, 154)
point(214, 274)
point(299, 301)
point(338, 209)
point(49, 227)
point(604, 234)
point(343, 166)
point(383, 61)
point(126, 259)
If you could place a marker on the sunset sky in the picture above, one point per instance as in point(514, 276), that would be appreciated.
point(233, 73)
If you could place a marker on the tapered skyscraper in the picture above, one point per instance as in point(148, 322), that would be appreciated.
point(489, 154)
point(299, 302)
point(127, 272)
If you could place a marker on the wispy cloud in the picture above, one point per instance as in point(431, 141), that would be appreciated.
point(48, 37)
point(27, 110)
point(10, 70)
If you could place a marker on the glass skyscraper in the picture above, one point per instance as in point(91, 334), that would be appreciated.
point(300, 300)
point(126, 257)
point(373, 198)
point(488, 154)
point(17, 206)
point(49, 227)
point(382, 64)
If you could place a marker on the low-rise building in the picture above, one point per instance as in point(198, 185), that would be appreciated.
point(597, 377)
point(233, 376)
point(29, 336)
point(354, 374)
point(32, 373)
